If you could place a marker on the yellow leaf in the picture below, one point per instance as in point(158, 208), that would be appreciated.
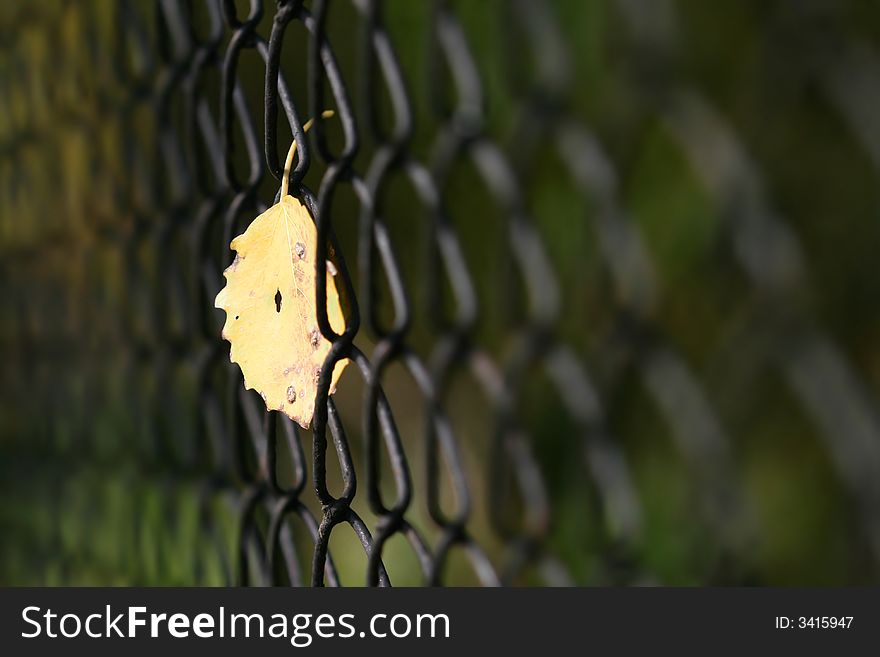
point(271, 317)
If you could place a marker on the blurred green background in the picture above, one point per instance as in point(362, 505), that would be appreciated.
point(101, 479)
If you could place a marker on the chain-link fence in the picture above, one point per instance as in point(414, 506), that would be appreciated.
point(612, 310)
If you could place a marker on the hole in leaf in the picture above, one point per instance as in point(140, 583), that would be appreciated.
point(278, 301)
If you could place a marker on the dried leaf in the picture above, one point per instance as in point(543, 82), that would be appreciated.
point(271, 318)
point(269, 299)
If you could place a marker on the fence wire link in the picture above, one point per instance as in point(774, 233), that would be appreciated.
point(178, 162)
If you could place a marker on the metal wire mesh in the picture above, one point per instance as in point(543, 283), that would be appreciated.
point(165, 122)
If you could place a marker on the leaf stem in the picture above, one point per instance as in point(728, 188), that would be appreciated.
point(285, 181)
